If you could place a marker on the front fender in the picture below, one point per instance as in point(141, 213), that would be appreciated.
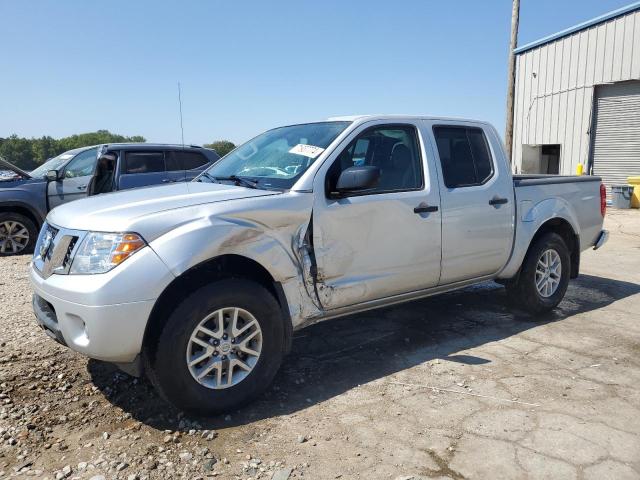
point(201, 240)
point(28, 195)
point(531, 216)
point(267, 230)
point(272, 238)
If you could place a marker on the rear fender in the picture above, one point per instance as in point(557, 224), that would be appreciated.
point(530, 218)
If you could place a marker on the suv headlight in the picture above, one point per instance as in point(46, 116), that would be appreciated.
point(100, 252)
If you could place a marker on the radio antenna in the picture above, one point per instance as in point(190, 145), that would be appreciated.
point(180, 105)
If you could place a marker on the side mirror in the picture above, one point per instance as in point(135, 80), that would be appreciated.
point(53, 175)
point(355, 179)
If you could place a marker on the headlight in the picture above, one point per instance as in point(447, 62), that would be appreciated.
point(100, 252)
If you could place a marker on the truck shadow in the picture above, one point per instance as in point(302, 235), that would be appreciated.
point(332, 357)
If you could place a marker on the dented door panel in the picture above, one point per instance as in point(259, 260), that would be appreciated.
point(370, 247)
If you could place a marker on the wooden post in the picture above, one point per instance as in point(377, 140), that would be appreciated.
point(511, 79)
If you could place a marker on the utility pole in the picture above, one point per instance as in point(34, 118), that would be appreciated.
point(511, 79)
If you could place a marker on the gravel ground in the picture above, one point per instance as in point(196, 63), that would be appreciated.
point(510, 396)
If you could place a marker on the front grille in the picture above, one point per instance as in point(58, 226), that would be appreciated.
point(53, 232)
point(55, 250)
point(66, 261)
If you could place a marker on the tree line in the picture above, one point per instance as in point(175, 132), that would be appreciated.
point(28, 153)
point(222, 147)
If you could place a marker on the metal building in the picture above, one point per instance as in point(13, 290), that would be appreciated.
point(577, 99)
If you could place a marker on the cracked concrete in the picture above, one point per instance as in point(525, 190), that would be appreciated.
point(580, 364)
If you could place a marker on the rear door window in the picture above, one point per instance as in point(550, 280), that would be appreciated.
point(171, 162)
point(143, 162)
point(190, 160)
point(464, 155)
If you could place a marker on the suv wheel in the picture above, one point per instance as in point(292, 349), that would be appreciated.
point(544, 277)
point(18, 234)
point(220, 348)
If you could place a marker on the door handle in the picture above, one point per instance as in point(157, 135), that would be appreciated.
point(424, 208)
point(82, 187)
point(498, 201)
point(167, 180)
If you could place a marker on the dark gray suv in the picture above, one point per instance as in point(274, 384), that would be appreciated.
point(27, 197)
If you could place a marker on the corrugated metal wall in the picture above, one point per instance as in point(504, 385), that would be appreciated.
point(555, 84)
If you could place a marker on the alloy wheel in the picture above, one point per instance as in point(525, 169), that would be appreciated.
point(14, 237)
point(224, 348)
point(548, 273)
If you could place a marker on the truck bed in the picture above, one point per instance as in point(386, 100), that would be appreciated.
point(572, 197)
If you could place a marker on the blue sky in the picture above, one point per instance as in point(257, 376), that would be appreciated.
point(245, 66)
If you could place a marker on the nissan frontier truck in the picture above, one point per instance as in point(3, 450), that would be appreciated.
point(199, 285)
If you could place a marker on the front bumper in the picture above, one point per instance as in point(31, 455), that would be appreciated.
point(102, 316)
point(603, 236)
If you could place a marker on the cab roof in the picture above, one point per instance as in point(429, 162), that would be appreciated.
point(397, 117)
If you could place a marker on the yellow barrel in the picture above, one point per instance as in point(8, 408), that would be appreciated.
point(635, 198)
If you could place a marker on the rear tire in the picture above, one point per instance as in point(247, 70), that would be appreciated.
point(182, 342)
point(544, 276)
point(18, 234)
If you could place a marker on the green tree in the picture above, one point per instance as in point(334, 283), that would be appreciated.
point(18, 151)
point(44, 148)
point(95, 138)
point(29, 153)
point(221, 146)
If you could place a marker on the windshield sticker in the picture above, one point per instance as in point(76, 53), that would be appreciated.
point(310, 151)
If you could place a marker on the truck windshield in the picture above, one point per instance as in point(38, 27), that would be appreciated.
point(276, 158)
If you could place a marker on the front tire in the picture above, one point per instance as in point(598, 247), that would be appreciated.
point(18, 234)
point(544, 277)
point(220, 348)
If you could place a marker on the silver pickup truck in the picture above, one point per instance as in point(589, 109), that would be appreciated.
point(200, 285)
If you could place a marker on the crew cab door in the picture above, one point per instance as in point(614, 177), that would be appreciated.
point(373, 245)
point(476, 192)
point(75, 179)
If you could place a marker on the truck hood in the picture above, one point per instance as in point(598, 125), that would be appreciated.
point(10, 166)
point(136, 209)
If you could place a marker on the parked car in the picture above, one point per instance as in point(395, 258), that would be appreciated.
point(27, 197)
point(7, 175)
point(301, 224)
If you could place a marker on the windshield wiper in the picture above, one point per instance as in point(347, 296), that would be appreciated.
point(245, 182)
point(207, 176)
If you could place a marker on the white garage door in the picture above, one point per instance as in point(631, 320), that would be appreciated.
point(616, 146)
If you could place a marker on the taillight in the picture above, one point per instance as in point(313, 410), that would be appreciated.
point(603, 199)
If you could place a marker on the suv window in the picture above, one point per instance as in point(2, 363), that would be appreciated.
point(82, 164)
point(190, 160)
point(393, 149)
point(185, 160)
point(143, 162)
point(171, 162)
point(464, 155)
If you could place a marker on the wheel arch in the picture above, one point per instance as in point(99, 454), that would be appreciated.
point(560, 226)
point(23, 209)
point(217, 268)
point(571, 239)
